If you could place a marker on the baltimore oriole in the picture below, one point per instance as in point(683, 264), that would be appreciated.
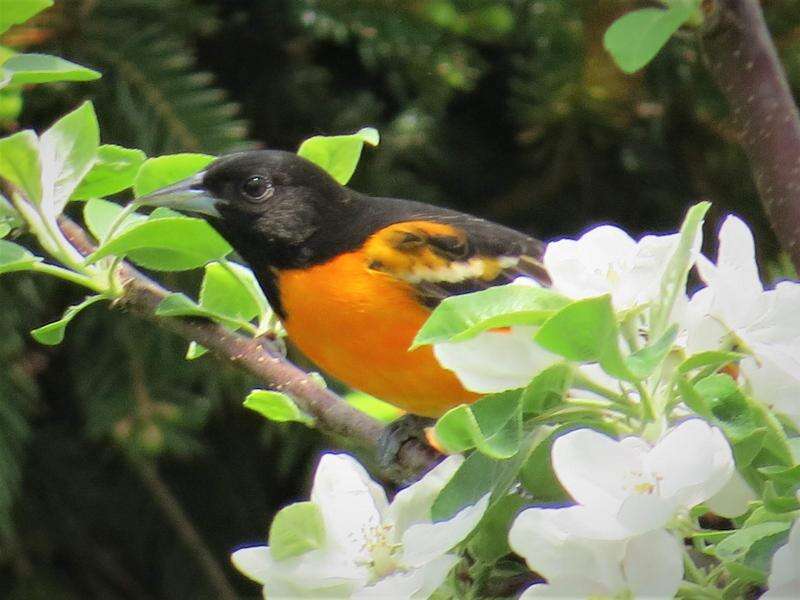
point(354, 277)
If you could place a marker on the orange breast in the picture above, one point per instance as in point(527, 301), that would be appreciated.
point(357, 325)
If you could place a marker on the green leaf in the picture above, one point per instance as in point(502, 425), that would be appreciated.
point(490, 541)
point(789, 476)
point(748, 574)
point(644, 362)
point(295, 530)
point(179, 305)
point(276, 406)
point(711, 358)
point(777, 503)
point(18, 11)
point(68, 150)
point(634, 39)
point(195, 351)
point(736, 546)
point(115, 170)
point(548, 389)
point(377, 409)
point(223, 292)
point(472, 481)
point(581, 330)
point(461, 317)
point(20, 163)
point(586, 331)
point(168, 244)
point(493, 425)
point(673, 282)
point(162, 171)
point(53, 333)
point(15, 258)
point(740, 416)
point(99, 215)
point(338, 154)
point(537, 474)
point(231, 291)
point(747, 448)
point(9, 217)
point(43, 68)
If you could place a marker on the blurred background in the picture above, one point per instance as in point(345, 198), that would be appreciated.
point(127, 472)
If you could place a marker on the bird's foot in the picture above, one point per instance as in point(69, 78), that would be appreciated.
point(397, 433)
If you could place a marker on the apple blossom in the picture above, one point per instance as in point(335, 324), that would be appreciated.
point(371, 548)
point(784, 577)
point(735, 311)
point(554, 545)
point(642, 487)
point(606, 260)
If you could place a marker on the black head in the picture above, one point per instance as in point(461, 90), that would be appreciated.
point(268, 204)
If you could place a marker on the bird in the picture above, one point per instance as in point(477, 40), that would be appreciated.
point(353, 277)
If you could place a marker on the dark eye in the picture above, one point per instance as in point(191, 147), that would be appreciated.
point(257, 188)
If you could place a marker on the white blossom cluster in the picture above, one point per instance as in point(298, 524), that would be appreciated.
point(622, 537)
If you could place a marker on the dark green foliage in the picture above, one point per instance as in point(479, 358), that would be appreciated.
point(508, 109)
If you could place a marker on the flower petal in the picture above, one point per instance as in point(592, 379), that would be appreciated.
point(418, 583)
point(412, 505)
point(784, 571)
point(315, 574)
point(653, 565)
point(591, 265)
point(592, 467)
point(351, 503)
point(425, 542)
point(733, 499)
point(774, 387)
point(254, 562)
point(734, 280)
point(494, 361)
point(570, 589)
point(692, 462)
point(552, 543)
point(641, 513)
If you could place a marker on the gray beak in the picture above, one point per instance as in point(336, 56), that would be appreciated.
point(188, 195)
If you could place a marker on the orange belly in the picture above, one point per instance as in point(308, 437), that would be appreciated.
point(358, 324)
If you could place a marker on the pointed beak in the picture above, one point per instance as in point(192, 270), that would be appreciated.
point(188, 195)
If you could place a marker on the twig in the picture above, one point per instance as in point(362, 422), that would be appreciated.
point(743, 60)
point(333, 415)
point(187, 532)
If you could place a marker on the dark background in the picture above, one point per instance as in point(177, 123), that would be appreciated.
point(114, 451)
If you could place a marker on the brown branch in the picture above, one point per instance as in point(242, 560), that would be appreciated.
point(742, 58)
point(333, 415)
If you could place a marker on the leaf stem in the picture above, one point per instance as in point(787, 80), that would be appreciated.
point(646, 402)
point(582, 382)
point(118, 221)
point(71, 276)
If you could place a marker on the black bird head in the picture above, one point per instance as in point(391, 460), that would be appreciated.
point(275, 208)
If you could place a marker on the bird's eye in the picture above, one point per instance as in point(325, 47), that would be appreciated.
point(257, 188)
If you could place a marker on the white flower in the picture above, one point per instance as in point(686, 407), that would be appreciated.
point(784, 577)
point(552, 543)
point(733, 499)
point(606, 260)
point(735, 309)
point(642, 487)
point(371, 548)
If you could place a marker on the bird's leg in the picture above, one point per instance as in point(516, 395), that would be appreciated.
point(397, 433)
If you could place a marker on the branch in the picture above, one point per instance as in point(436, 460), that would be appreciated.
point(743, 60)
point(333, 415)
